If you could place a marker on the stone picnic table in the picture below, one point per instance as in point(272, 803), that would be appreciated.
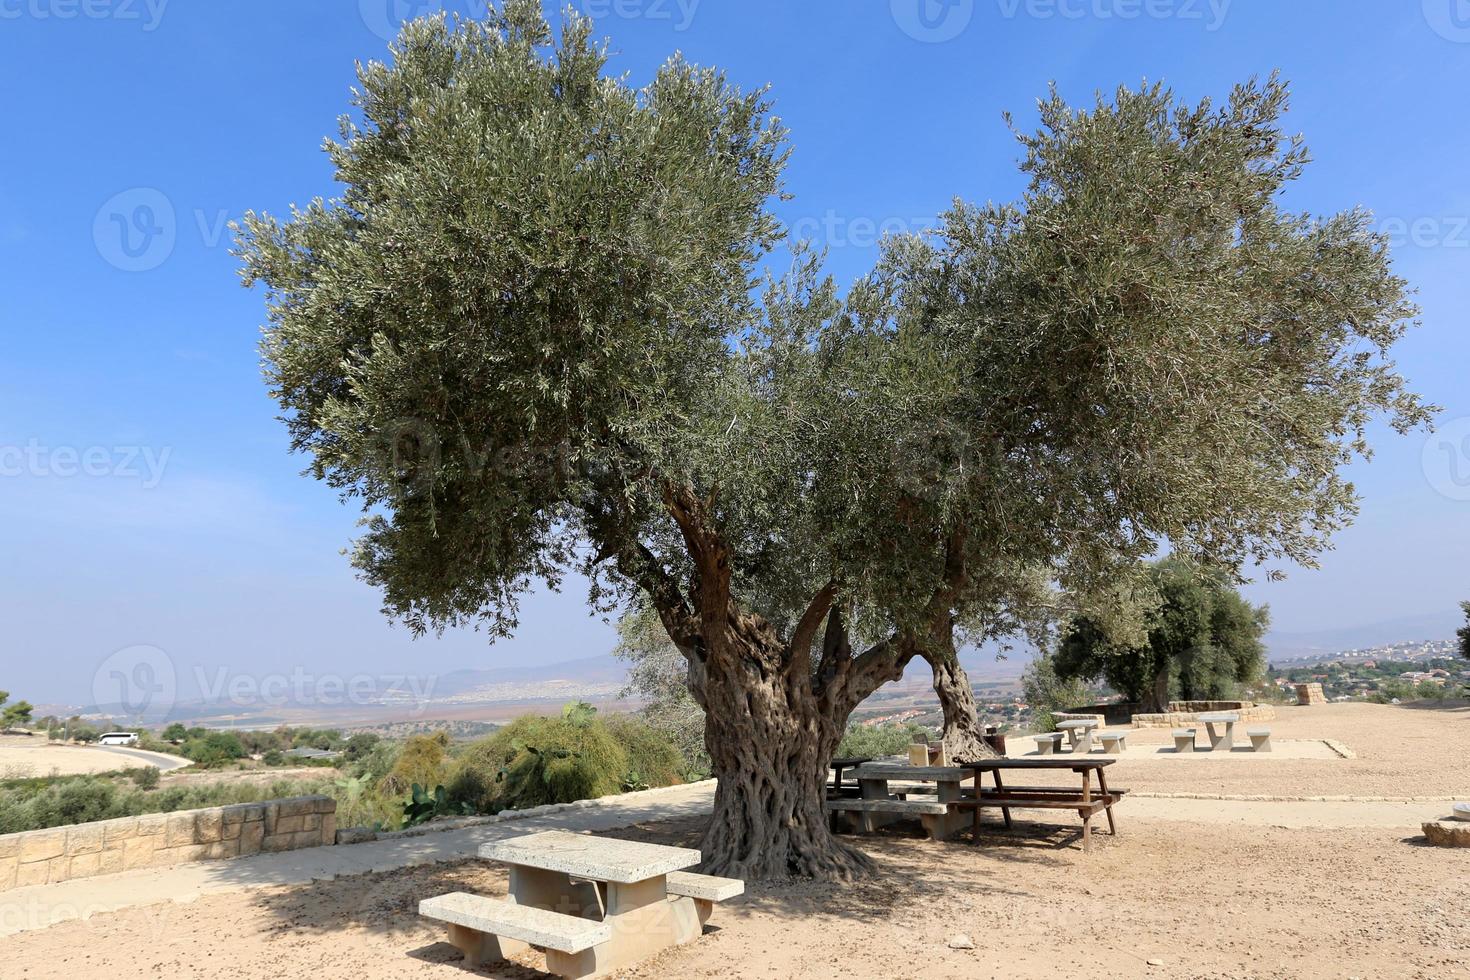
point(1043, 797)
point(593, 904)
point(878, 805)
point(1221, 740)
point(1079, 733)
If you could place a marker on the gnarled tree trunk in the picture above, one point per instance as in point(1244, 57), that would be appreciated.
point(772, 725)
point(963, 736)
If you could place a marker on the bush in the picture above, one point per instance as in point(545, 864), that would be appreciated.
point(145, 778)
point(876, 741)
point(1047, 693)
point(652, 758)
point(420, 761)
point(213, 749)
point(534, 761)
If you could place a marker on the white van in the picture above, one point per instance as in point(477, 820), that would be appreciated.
point(117, 738)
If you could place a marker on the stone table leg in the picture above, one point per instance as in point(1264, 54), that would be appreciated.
point(644, 922)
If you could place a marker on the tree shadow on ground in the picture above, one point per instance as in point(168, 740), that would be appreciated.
point(1455, 705)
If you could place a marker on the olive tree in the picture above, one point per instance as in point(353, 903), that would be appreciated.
point(531, 337)
point(1463, 633)
point(1199, 638)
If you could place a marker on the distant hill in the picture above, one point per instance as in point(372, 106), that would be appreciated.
point(593, 672)
point(1428, 626)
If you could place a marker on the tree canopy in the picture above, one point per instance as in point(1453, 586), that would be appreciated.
point(1200, 639)
point(534, 335)
point(1463, 633)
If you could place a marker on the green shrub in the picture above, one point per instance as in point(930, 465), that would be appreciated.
point(420, 761)
point(653, 760)
point(876, 741)
point(145, 778)
point(534, 761)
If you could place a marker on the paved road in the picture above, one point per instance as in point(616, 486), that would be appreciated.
point(167, 763)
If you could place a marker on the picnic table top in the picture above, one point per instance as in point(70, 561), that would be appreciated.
point(1219, 716)
point(1065, 762)
point(624, 862)
point(1078, 723)
point(849, 763)
point(895, 770)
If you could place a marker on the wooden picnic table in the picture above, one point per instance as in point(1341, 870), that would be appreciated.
point(1228, 719)
point(1043, 797)
point(838, 765)
point(878, 806)
point(623, 884)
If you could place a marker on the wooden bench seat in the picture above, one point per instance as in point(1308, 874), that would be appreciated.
point(913, 807)
point(477, 924)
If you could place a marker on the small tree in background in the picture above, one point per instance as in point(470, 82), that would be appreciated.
point(1046, 692)
point(1463, 633)
point(659, 675)
point(14, 715)
point(1200, 640)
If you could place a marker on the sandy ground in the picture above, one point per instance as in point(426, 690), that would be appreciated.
point(24, 757)
point(1189, 888)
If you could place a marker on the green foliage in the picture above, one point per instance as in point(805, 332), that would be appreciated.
point(1463, 633)
point(175, 733)
point(534, 761)
point(420, 761)
point(80, 731)
point(658, 674)
point(877, 741)
point(14, 715)
point(1046, 693)
point(422, 806)
point(1201, 640)
point(212, 748)
point(146, 778)
point(34, 804)
point(652, 758)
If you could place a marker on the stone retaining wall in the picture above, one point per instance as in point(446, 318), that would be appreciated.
point(1188, 712)
point(156, 840)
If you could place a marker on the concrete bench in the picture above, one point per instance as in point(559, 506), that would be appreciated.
point(1048, 744)
point(1184, 740)
point(1260, 739)
point(1114, 743)
point(704, 890)
point(477, 925)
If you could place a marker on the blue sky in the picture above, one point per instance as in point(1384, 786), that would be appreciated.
point(147, 492)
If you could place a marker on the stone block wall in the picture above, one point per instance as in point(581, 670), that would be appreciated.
point(1310, 694)
point(1188, 712)
point(157, 840)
